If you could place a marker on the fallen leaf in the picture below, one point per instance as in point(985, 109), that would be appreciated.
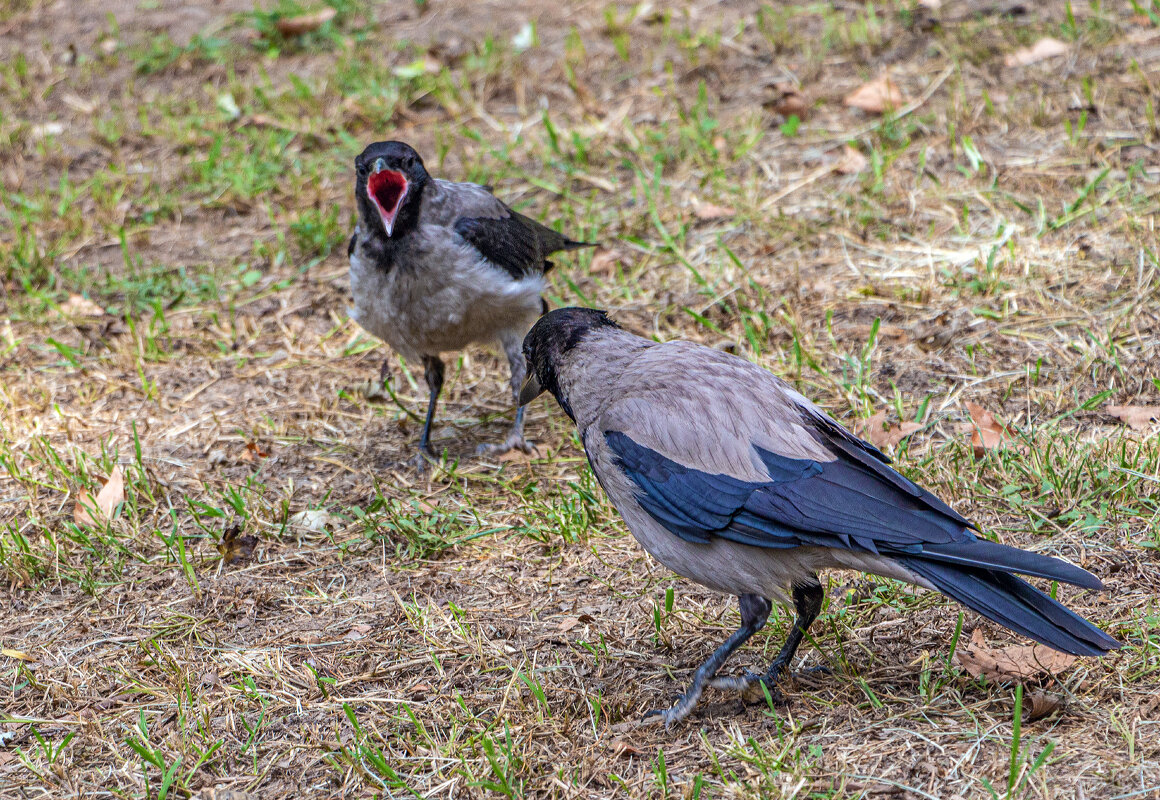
point(1138, 418)
point(17, 654)
point(314, 520)
point(1044, 48)
point(235, 548)
point(988, 433)
point(876, 96)
point(622, 749)
point(1020, 662)
point(788, 101)
point(304, 23)
point(852, 162)
point(253, 452)
point(79, 306)
point(357, 632)
point(605, 263)
point(711, 211)
point(1038, 705)
point(112, 493)
point(567, 624)
point(875, 430)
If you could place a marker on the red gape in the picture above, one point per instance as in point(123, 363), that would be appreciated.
point(387, 188)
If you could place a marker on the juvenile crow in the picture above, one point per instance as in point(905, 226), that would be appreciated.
point(436, 265)
point(731, 478)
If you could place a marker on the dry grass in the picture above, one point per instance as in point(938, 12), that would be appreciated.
point(491, 627)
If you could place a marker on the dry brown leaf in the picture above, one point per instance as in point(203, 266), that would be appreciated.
point(711, 211)
point(112, 493)
point(987, 433)
point(622, 749)
point(17, 654)
point(1044, 48)
point(1038, 705)
point(304, 23)
point(78, 306)
point(852, 162)
point(1019, 663)
point(567, 624)
point(235, 548)
point(787, 101)
point(876, 96)
point(357, 632)
point(253, 452)
point(605, 262)
point(875, 430)
point(1138, 418)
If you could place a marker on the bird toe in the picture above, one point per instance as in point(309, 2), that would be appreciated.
point(511, 443)
point(735, 683)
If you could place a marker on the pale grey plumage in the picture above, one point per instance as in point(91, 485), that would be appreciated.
point(667, 397)
point(730, 477)
point(437, 265)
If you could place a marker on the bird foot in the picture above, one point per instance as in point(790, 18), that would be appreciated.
point(423, 459)
point(681, 709)
point(750, 683)
point(736, 683)
point(513, 442)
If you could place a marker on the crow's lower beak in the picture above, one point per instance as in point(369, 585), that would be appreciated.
point(530, 390)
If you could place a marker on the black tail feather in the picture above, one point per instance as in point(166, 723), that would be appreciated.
point(1015, 604)
point(993, 555)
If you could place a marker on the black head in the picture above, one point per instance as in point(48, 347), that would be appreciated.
point(389, 181)
point(547, 344)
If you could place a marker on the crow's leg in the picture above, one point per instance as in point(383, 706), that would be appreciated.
point(385, 372)
point(754, 613)
point(513, 349)
point(807, 601)
point(433, 372)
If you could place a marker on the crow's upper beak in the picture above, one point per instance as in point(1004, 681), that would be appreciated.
point(530, 390)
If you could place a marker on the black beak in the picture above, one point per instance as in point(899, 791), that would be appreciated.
point(530, 390)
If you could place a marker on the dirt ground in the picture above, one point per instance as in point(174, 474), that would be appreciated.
point(278, 603)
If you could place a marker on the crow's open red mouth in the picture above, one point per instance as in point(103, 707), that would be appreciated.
point(387, 188)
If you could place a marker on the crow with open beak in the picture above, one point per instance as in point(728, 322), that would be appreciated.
point(731, 478)
point(437, 265)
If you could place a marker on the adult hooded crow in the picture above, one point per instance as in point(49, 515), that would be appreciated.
point(731, 478)
point(436, 265)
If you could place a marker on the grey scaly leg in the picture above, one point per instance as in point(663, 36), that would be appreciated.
point(807, 601)
point(513, 349)
point(754, 612)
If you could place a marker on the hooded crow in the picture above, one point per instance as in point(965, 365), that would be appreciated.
point(732, 479)
point(436, 265)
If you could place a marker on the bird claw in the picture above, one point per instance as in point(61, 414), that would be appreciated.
point(667, 716)
point(424, 458)
point(735, 683)
point(514, 442)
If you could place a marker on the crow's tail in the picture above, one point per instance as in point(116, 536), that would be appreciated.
point(1016, 604)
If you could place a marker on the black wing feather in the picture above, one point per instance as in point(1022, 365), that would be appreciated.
point(515, 243)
